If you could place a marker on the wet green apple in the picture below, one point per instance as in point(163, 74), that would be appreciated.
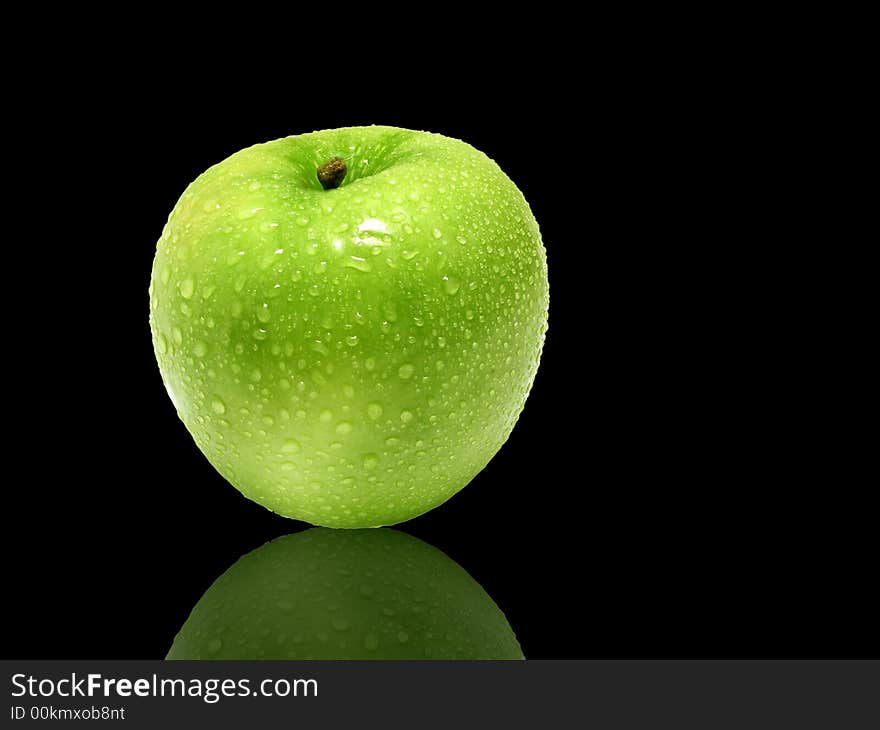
point(349, 322)
point(345, 594)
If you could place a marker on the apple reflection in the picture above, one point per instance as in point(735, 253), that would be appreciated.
point(345, 594)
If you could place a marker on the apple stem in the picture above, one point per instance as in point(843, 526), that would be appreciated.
point(332, 173)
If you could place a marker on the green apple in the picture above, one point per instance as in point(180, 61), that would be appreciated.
point(349, 322)
point(345, 594)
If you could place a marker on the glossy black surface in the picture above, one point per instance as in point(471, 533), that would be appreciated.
point(670, 490)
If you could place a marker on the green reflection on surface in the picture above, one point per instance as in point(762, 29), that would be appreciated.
point(346, 594)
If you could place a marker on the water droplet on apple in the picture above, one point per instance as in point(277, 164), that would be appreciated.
point(402, 637)
point(370, 461)
point(343, 428)
point(339, 623)
point(187, 287)
point(451, 285)
point(406, 416)
point(351, 340)
point(290, 446)
point(437, 233)
point(215, 645)
point(161, 344)
point(218, 406)
point(249, 212)
point(359, 263)
point(374, 410)
point(200, 348)
point(406, 371)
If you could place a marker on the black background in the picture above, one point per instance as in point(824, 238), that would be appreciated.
point(671, 488)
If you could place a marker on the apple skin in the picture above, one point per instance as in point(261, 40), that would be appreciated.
point(345, 594)
point(350, 357)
